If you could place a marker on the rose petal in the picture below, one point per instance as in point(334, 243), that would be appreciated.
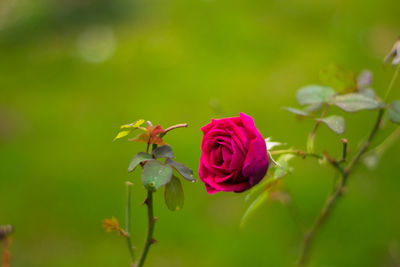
point(256, 162)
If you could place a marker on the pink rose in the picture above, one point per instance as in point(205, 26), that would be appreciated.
point(234, 155)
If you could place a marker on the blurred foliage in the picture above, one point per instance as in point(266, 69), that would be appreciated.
point(71, 72)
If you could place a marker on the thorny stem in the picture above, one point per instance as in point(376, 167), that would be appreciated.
point(366, 144)
point(150, 230)
point(332, 199)
point(128, 221)
point(150, 225)
point(345, 172)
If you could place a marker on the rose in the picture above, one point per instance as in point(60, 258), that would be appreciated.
point(233, 155)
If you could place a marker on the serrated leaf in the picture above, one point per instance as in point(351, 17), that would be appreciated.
point(336, 123)
point(173, 194)
point(122, 134)
point(355, 102)
point(137, 159)
point(394, 111)
point(155, 174)
point(314, 94)
point(128, 128)
point(296, 111)
point(342, 80)
point(164, 151)
point(182, 169)
point(134, 125)
point(253, 206)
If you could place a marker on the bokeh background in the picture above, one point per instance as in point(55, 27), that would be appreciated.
point(71, 72)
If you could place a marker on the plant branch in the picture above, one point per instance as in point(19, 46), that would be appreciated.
point(150, 224)
point(182, 125)
point(297, 152)
point(128, 221)
point(326, 211)
point(386, 144)
point(150, 230)
point(366, 143)
point(332, 199)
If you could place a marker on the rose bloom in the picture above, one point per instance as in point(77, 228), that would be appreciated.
point(233, 155)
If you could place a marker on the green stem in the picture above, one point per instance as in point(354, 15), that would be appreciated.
point(366, 143)
point(386, 144)
point(128, 221)
point(326, 211)
point(150, 230)
point(332, 199)
point(392, 81)
point(150, 222)
point(298, 152)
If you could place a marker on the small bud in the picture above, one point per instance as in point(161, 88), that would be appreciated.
point(128, 183)
point(155, 219)
point(344, 141)
point(153, 241)
point(394, 54)
point(5, 230)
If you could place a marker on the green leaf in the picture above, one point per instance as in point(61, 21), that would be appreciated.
point(133, 125)
point(173, 194)
point(314, 94)
point(182, 169)
point(164, 151)
point(335, 123)
point(122, 134)
point(371, 161)
point(394, 111)
point(355, 102)
point(258, 188)
point(368, 92)
point(128, 128)
point(137, 159)
point(155, 174)
point(296, 111)
point(253, 206)
point(283, 167)
point(338, 78)
point(313, 107)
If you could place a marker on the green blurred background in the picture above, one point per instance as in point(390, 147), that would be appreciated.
point(71, 72)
